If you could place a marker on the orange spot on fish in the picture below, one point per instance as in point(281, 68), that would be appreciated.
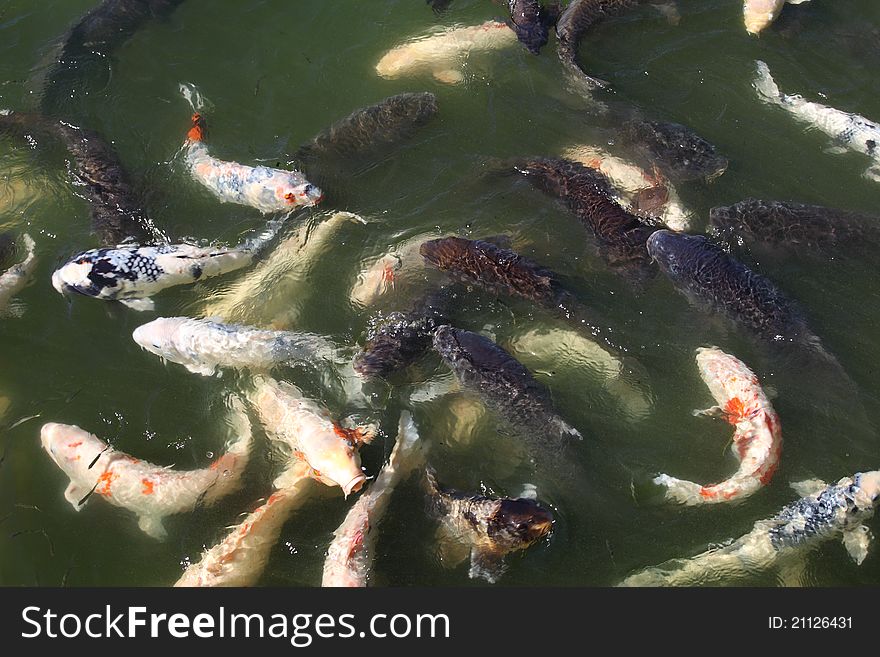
point(104, 483)
point(197, 131)
point(734, 410)
point(74, 445)
point(148, 486)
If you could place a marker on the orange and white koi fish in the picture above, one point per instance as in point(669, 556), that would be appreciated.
point(240, 558)
point(376, 280)
point(151, 491)
point(264, 188)
point(311, 434)
point(351, 553)
point(443, 53)
point(757, 441)
point(16, 278)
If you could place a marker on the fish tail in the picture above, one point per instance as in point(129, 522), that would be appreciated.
point(680, 490)
point(233, 462)
point(765, 85)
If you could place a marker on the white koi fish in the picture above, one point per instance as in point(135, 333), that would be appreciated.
point(131, 274)
point(311, 434)
point(151, 491)
point(443, 53)
point(204, 345)
point(263, 188)
point(376, 280)
point(849, 131)
point(240, 558)
point(350, 555)
point(646, 194)
point(268, 295)
point(16, 278)
point(759, 14)
point(824, 513)
point(757, 440)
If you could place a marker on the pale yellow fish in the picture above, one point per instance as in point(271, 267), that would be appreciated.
point(759, 14)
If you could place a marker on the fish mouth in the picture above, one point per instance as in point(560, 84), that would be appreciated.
point(354, 485)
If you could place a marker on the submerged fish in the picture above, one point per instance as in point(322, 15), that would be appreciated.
point(366, 129)
point(675, 149)
point(759, 14)
point(531, 21)
point(204, 345)
point(443, 53)
point(308, 430)
point(849, 132)
point(263, 188)
point(716, 282)
point(757, 440)
point(133, 274)
point(376, 280)
point(16, 278)
point(796, 226)
point(826, 512)
point(647, 194)
point(398, 339)
point(240, 558)
point(620, 235)
point(351, 553)
point(504, 384)
point(152, 492)
point(489, 527)
point(98, 175)
point(270, 294)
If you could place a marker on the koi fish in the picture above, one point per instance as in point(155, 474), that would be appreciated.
point(263, 188)
point(16, 278)
point(826, 512)
point(759, 14)
point(311, 434)
point(204, 345)
point(151, 491)
point(531, 22)
point(850, 132)
point(241, 557)
point(442, 53)
point(757, 440)
point(350, 555)
point(376, 280)
point(489, 527)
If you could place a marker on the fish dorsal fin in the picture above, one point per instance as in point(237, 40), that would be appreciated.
point(857, 541)
point(808, 487)
point(486, 563)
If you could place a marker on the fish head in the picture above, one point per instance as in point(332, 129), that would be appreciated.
point(758, 14)
point(159, 338)
point(76, 276)
point(869, 483)
point(677, 254)
point(519, 523)
point(339, 465)
point(71, 448)
point(299, 195)
point(395, 62)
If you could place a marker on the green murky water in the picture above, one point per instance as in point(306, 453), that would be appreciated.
point(279, 71)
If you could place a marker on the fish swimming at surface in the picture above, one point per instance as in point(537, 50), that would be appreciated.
point(759, 14)
point(532, 22)
point(826, 512)
point(17, 277)
point(757, 439)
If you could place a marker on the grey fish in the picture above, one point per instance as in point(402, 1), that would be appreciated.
point(489, 527)
point(579, 16)
point(716, 282)
point(531, 21)
point(382, 124)
point(620, 235)
point(400, 338)
point(94, 38)
point(505, 385)
point(675, 149)
point(823, 514)
point(99, 176)
point(795, 226)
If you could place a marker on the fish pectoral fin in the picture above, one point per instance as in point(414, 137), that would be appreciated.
point(74, 494)
point(449, 76)
point(713, 412)
point(873, 174)
point(451, 550)
point(808, 487)
point(204, 370)
point(152, 527)
point(140, 305)
point(857, 542)
point(836, 149)
point(486, 563)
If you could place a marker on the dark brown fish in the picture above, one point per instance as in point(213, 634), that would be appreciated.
point(489, 527)
point(98, 174)
point(620, 235)
point(386, 123)
point(397, 340)
point(679, 152)
point(795, 226)
point(577, 19)
point(531, 21)
point(505, 385)
point(439, 5)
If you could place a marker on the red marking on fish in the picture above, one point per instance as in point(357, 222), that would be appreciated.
point(104, 483)
point(148, 487)
point(74, 445)
point(734, 410)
